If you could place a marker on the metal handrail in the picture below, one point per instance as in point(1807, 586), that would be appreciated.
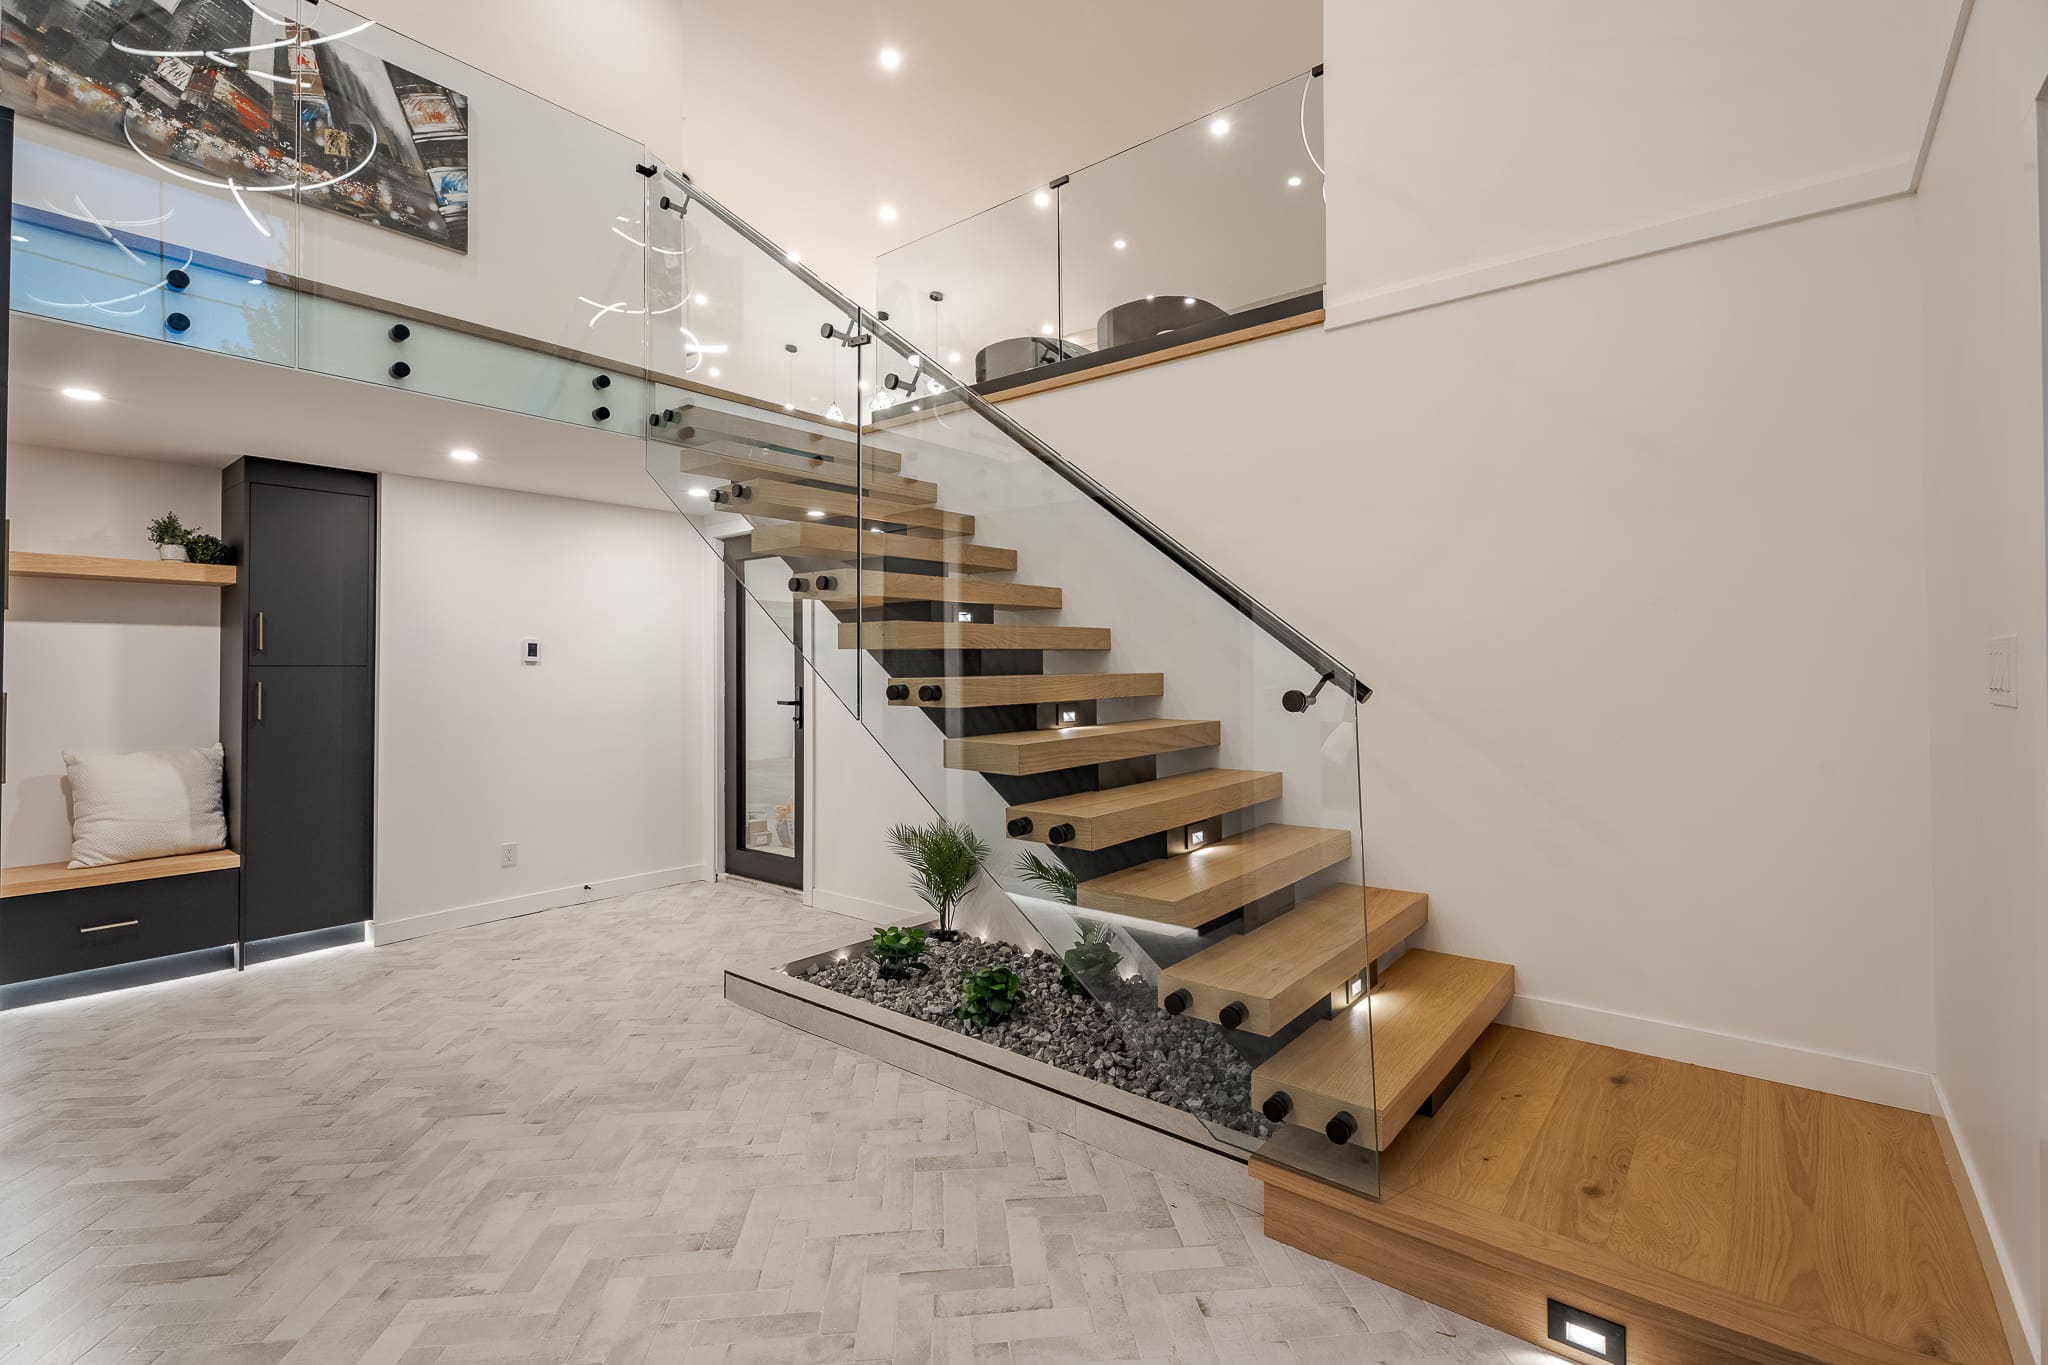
point(1243, 602)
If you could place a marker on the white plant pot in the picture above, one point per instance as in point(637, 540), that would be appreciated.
point(171, 552)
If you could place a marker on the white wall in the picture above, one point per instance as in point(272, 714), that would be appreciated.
point(99, 667)
point(597, 762)
point(1980, 259)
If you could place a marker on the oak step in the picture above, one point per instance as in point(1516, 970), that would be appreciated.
point(1026, 689)
point(793, 502)
point(775, 466)
point(967, 635)
point(811, 540)
point(878, 589)
point(1198, 888)
point(1278, 970)
point(1379, 1061)
point(1100, 818)
point(1077, 746)
point(739, 434)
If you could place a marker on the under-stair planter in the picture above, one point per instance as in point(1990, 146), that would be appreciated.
point(1118, 1074)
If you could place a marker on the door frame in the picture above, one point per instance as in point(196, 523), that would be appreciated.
point(738, 859)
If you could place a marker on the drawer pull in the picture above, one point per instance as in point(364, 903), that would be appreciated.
point(102, 928)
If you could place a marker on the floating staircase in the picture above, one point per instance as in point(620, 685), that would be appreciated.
point(907, 581)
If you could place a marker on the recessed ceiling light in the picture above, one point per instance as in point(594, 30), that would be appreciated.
point(952, 357)
point(1045, 327)
point(79, 395)
point(1189, 302)
point(700, 492)
point(791, 256)
point(1042, 198)
point(699, 300)
point(465, 456)
point(1119, 244)
point(714, 372)
point(789, 407)
point(890, 59)
point(887, 212)
point(1293, 182)
point(1218, 126)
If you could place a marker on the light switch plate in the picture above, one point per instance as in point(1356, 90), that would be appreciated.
point(2001, 671)
point(529, 652)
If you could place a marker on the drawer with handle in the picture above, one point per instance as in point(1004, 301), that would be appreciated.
point(104, 926)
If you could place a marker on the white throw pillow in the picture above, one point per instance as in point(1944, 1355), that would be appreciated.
point(154, 805)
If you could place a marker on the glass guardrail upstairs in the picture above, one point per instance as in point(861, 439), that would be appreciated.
point(1165, 774)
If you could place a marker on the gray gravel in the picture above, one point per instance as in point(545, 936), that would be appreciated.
point(1125, 1040)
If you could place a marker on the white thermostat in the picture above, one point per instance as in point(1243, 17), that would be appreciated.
point(530, 653)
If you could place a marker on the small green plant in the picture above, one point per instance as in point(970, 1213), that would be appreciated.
point(944, 860)
point(1090, 965)
point(205, 549)
point(1055, 879)
point(989, 996)
point(898, 952)
point(167, 530)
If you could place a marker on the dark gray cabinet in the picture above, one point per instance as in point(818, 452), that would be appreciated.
point(298, 692)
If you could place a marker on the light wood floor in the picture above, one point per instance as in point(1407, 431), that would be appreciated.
point(1828, 1227)
point(550, 1140)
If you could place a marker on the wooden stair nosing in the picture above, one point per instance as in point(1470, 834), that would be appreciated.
point(1026, 689)
point(1115, 815)
point(1379, 1060)
point(1282, 968)
point(814, 540)
point(1191, 890)
point(877, 589)
point(967, 635)
point(1025, 752)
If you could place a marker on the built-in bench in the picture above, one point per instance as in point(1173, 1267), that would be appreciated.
point(55, 920)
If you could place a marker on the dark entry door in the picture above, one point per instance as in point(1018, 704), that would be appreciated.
point(764, 723)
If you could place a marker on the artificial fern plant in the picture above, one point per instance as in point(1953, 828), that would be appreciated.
point(944, 859)
point(1055, 879)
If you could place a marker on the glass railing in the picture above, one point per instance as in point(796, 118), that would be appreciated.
point(1165, 775)
point(289, 182)
point(1212, 227)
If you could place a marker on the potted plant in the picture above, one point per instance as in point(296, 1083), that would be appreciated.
point(202, 548)
point(944, 859)
point(989, 996)
point(1089, 967)
point(168, 534)
point(898, 953)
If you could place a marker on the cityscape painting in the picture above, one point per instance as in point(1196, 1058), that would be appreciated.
point(234, 96)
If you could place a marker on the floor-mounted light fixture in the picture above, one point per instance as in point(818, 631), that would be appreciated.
point(1588, 1332)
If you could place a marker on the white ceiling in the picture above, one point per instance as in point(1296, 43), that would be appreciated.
point(172, 402)
point(991, 100)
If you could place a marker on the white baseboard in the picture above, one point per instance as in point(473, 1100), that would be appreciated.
point(1855, 1077)
point(1984, 1229)
point(386, 931)
point(1785, 204)
point(860, 908)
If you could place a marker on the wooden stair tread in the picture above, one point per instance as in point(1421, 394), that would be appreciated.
point(814, 540)
point(712, 424)
point(1281, 968)
point(1023, 752)
point(1026, 689)
point(1198, 888)
point(779, 501)
point(776, 466)
point(36, 879)
point(1425, 1014)
point(878, 589)
point(1103, 818)
point(967, 635)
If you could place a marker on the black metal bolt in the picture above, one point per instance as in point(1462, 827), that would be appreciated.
point(1231, 1015)
point(603, 381)
point(897, 692)
point(1341, 1129)
point(668, 414)
point(1278, 1105)
point(178, 279)
point(600, 414)
point(399, 369)
point(1177, 1002)
point(796, 585)
point(1061, 834)
point(929, 692)
point(826, 582)
point(654, 420)
point(177, 322)
point(718, 495)
point(1020, 827)
point(399, 331)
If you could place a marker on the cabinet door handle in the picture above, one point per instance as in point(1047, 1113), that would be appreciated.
point(259, 632)
point(102, 928)
point(259, 701)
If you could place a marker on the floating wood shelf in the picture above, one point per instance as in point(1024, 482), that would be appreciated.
point(42, 877)
point(30, 564)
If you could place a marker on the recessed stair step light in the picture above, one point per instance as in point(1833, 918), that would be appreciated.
point(1587, 1332)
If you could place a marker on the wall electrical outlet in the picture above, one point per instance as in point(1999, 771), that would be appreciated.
point(508, 855)
point(2001, 671)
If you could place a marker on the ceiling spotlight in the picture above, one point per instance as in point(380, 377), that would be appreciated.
point(1045, 327)
point(78, 395)
point(952, 357)
point(699, 300)
point(1218, 126)
point(888, 213)
point(789, 407)
point(1042, 198)
point(1189, 302)
point(1293, 182)
point(714, 372)
point(791, 256)
point(890, 59)
point(700, 492)
point(463, 456)
point(1119, 244)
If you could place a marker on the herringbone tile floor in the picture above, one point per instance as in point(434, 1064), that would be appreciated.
point(550, 1140)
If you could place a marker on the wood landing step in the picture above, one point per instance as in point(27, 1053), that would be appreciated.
point(1026, 689)
point(1191, 890)
point(878, 589)
point(843, 544)
point(704, 426)
point(1380, 1064)
point(1720, 1219)
point(967, 635)
point(775, 501)
point(1024, 752)
point(1098, 819)
point(1282, 968)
